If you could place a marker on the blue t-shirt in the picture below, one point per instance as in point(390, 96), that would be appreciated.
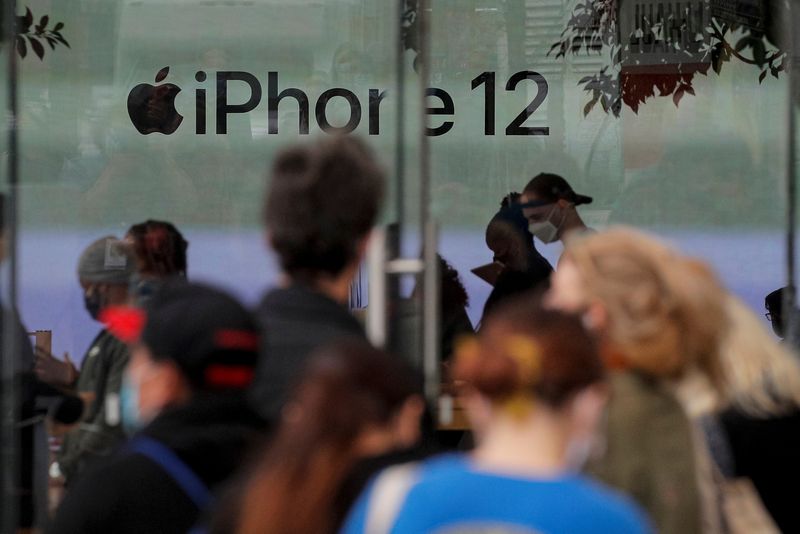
point(450, 496)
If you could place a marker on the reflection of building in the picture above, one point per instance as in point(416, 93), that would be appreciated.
point(660, 32)
point(544, 22)
point(746, 13)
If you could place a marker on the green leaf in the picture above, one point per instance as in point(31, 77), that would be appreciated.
point(716, 57)
point(43, 21)
point(762, 76)
point(58, 26)
point(759, 53)
point(616, 108)
point(742, 44)
point(60, 39)
point(22, 48)
point(589, 105)
point(676, 97)
point(37, 47)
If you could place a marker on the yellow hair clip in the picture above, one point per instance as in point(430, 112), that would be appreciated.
point(519, 405)
point(526, 352)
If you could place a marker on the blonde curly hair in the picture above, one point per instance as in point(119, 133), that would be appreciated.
point(665, 311)
point(762, 375)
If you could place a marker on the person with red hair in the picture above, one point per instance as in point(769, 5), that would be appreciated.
point(354, 410)
point(534, 391)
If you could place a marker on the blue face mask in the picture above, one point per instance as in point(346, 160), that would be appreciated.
point(129, 406)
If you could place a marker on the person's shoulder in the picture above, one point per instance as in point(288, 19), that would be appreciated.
point(610, 510)
point(119, 474)
point(439, 476)
point(415, 480)
point(642, 396)
point(271, 296)
point(110, 344)
point(446, 462)
point(313, 315)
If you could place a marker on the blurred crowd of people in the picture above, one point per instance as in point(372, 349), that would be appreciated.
point(624, 391)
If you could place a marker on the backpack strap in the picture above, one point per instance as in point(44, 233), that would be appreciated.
point(387, 497)
point(178, 471)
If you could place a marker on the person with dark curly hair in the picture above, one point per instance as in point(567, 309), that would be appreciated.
point(517, 264)
point(160, 250)
point(454, 301)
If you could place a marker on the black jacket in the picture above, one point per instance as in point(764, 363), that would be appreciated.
point(26, 412)
point(101, 374)
point(766, 451)
point(130, 493)
point(294, 321)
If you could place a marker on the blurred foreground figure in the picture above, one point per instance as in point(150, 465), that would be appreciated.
point(322, 201)
point(193, 353)
point(657, 315)
point(30, 473)
point(355, 410)
point(534, 393)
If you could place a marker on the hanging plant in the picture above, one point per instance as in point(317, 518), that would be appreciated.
point(631, 75)
point(32, 36)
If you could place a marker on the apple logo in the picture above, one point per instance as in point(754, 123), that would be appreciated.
point(152, 108)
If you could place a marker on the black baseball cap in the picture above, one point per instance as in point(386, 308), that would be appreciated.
point(212, 338)
point(551, 188)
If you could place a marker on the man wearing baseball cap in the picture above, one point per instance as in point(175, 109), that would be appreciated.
point(104, 271)
point(549, 202)
point(193, 353)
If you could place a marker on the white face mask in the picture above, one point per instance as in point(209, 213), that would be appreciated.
point(546, 231)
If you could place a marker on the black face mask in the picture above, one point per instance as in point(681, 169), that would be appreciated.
point(93, 303)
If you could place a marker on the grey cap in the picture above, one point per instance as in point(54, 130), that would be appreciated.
point(107, 261)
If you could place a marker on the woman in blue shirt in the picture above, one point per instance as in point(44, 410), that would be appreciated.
point(534, 390)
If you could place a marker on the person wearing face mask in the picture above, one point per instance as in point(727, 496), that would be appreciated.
point(549, 202)
point(193, 355)
point(516, 264)
point(104, 272)
point(534, 391)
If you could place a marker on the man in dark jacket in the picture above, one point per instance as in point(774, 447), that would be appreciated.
point(322, 201)
point(104, 272)
point(193, 353)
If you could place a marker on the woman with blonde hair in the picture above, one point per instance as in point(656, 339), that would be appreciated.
point(659, 316)
point(758, 435)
